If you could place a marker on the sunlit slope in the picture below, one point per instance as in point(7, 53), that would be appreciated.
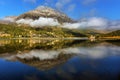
point(16, 31)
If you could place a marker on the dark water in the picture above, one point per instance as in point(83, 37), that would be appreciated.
point(59, 60)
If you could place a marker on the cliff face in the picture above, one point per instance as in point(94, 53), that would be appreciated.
point(46, 12)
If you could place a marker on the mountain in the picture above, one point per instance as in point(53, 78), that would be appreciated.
point(15, 30)
point(45, 12)
point(113, 33)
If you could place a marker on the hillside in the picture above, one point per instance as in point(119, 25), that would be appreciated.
point(111, 34)
point(24, 31)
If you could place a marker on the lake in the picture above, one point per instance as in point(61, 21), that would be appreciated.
point(53, 59)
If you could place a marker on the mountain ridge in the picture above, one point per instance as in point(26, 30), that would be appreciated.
point(45, 12)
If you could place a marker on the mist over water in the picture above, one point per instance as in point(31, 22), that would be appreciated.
point(59, 60)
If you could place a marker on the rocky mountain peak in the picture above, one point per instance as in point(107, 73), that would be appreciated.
point(46, 12)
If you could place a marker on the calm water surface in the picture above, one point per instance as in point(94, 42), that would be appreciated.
point(59, 60)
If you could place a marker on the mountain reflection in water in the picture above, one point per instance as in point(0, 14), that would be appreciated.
point(59, 60)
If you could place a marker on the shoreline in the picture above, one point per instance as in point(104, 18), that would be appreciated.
point(79, 38)
point(67, 38)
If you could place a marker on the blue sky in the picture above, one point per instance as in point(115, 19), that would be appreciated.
point(75, 9)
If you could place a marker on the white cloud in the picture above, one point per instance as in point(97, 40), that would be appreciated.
point(41, 22)
point(49, 3)
point(31, 1)
point(96, 23)
point(73, 25)
point(87, 2)
point(9, 19)
point(24, 21)
point(90, 23)
point(60, 4)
